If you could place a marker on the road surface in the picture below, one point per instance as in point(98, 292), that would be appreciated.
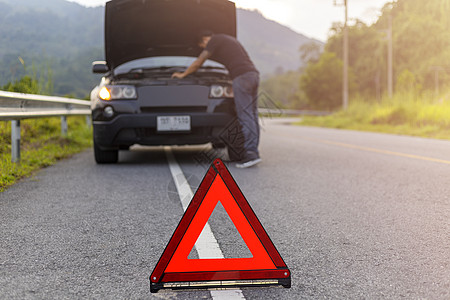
point(354, 215)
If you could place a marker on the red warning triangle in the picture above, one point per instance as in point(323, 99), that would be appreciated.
point(174, 266)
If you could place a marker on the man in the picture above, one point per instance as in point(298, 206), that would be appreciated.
point(229, 52)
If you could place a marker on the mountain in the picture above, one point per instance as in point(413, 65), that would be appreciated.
point(271, 45)
point(60, 39)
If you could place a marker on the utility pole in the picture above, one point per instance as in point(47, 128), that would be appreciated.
point(436, 70)
point(345, 53)
point(390, 74)
point(345, 75)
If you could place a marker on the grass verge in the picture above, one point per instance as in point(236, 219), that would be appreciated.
point(404, 114)
point(41, 145)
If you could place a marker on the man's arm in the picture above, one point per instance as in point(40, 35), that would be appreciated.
point(194, 66)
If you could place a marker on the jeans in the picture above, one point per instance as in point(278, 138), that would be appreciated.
point(245, 88)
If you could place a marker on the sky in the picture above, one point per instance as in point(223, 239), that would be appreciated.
point(312, 18)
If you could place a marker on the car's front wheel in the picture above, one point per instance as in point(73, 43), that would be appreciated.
point(105, 156)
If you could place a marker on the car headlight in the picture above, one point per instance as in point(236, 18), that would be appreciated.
point(228, 92)
point(116, 92)
point(104, 94)
point(220, 91)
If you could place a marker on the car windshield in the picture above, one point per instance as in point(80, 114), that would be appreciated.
point(162, 62)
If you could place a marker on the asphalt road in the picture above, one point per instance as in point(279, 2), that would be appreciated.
point(354, 215)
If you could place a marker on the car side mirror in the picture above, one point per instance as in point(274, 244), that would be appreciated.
point(100, 67)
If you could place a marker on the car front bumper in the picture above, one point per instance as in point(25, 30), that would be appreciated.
point(129, 129)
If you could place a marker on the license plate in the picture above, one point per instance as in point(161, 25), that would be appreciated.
point(173, 123)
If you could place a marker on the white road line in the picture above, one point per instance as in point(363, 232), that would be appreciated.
point(206, 245)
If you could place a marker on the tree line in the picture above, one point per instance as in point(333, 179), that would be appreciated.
point(421, 58)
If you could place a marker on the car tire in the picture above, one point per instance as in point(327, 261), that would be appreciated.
point(105, 157)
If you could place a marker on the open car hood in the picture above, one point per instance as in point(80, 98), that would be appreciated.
point(147, 28)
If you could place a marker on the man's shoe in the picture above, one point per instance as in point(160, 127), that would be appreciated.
point(248, 162)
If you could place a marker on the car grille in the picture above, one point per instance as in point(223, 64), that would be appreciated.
point(145, 132)
point(174, 109)
point(151, 132)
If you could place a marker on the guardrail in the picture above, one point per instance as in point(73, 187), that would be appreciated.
point(17, 106)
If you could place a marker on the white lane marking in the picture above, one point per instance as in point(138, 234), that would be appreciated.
point(206, 245)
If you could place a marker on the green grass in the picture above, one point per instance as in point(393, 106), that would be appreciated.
point(41, 145)
point(406, 114)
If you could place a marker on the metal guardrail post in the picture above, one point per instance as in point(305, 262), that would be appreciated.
point(88, 121)
point(64, 126)
point(15, 141)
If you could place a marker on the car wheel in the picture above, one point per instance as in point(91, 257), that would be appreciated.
point(105, 157)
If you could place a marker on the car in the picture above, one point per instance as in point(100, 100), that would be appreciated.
point(137, 101)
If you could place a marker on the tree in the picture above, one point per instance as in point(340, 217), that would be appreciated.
point(310, 52)
point(407, 82)
point(25, 85)
point(367, 48)
point(421, 43)
point(322, 82)
point(283, 89)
